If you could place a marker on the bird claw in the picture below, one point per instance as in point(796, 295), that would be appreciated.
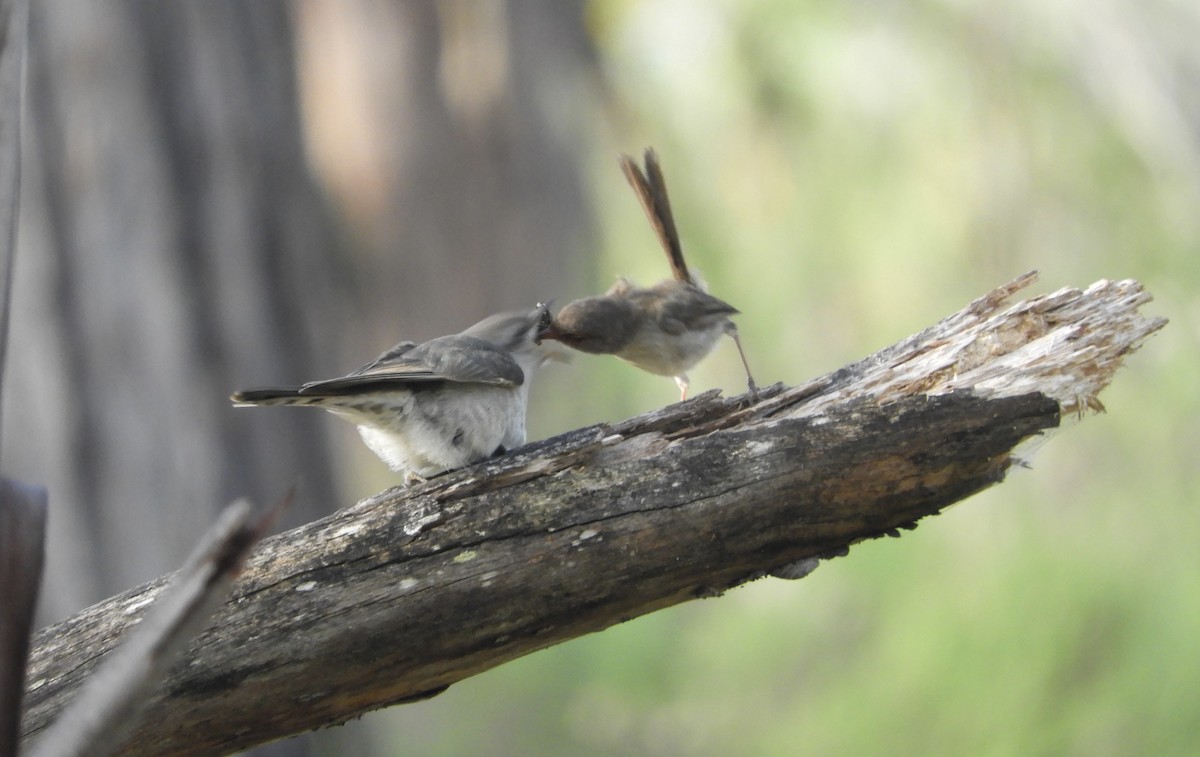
point(412, 477)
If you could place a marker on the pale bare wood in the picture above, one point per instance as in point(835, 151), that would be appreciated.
point(405, 593)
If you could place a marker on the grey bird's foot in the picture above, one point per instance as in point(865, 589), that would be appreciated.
point(412, 477)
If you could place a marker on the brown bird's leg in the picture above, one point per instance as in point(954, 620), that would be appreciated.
point(682, 382)
point(742, 353)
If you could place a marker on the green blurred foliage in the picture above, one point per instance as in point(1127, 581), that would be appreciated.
point(848, 173)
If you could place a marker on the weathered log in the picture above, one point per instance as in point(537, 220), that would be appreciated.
point(405, 593)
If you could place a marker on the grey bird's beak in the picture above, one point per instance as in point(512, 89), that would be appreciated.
point(548, 332)
point(545, 321)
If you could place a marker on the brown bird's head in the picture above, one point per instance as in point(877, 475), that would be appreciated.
point(600, 325)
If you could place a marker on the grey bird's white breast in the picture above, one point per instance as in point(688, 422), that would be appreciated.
point(435, 430)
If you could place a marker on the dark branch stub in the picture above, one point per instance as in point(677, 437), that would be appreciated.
point(22, 536)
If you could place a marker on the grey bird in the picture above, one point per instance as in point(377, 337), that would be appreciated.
point(665, 329)
point(432, 407)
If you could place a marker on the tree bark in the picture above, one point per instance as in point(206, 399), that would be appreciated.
point(405, 593)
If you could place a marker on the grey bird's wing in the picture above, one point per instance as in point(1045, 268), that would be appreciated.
point(388, 355)
point(455, 358)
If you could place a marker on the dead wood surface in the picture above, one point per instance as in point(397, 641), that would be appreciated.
point(407, 592)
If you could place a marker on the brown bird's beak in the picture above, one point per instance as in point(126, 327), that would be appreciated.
point(548, 332)
point(558, 352)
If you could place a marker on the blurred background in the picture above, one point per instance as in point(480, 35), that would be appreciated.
point(221, 194)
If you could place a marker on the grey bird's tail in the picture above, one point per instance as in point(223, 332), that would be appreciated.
point(269, 396)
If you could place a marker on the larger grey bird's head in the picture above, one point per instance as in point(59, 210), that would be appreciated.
point(518, 332)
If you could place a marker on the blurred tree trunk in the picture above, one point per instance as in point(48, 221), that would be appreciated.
point(452, 135)
point(175, 244)
point(173, 240)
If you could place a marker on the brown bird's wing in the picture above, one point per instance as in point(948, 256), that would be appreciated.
point(651, 190)
point(455, 358)
point(681, 307)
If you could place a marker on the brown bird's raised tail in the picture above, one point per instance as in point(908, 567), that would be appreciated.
point(651, 190)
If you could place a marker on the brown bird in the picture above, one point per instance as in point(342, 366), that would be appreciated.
point(665, 329)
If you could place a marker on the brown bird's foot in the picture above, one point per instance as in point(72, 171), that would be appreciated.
point(682, 382)
point(753, 388)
